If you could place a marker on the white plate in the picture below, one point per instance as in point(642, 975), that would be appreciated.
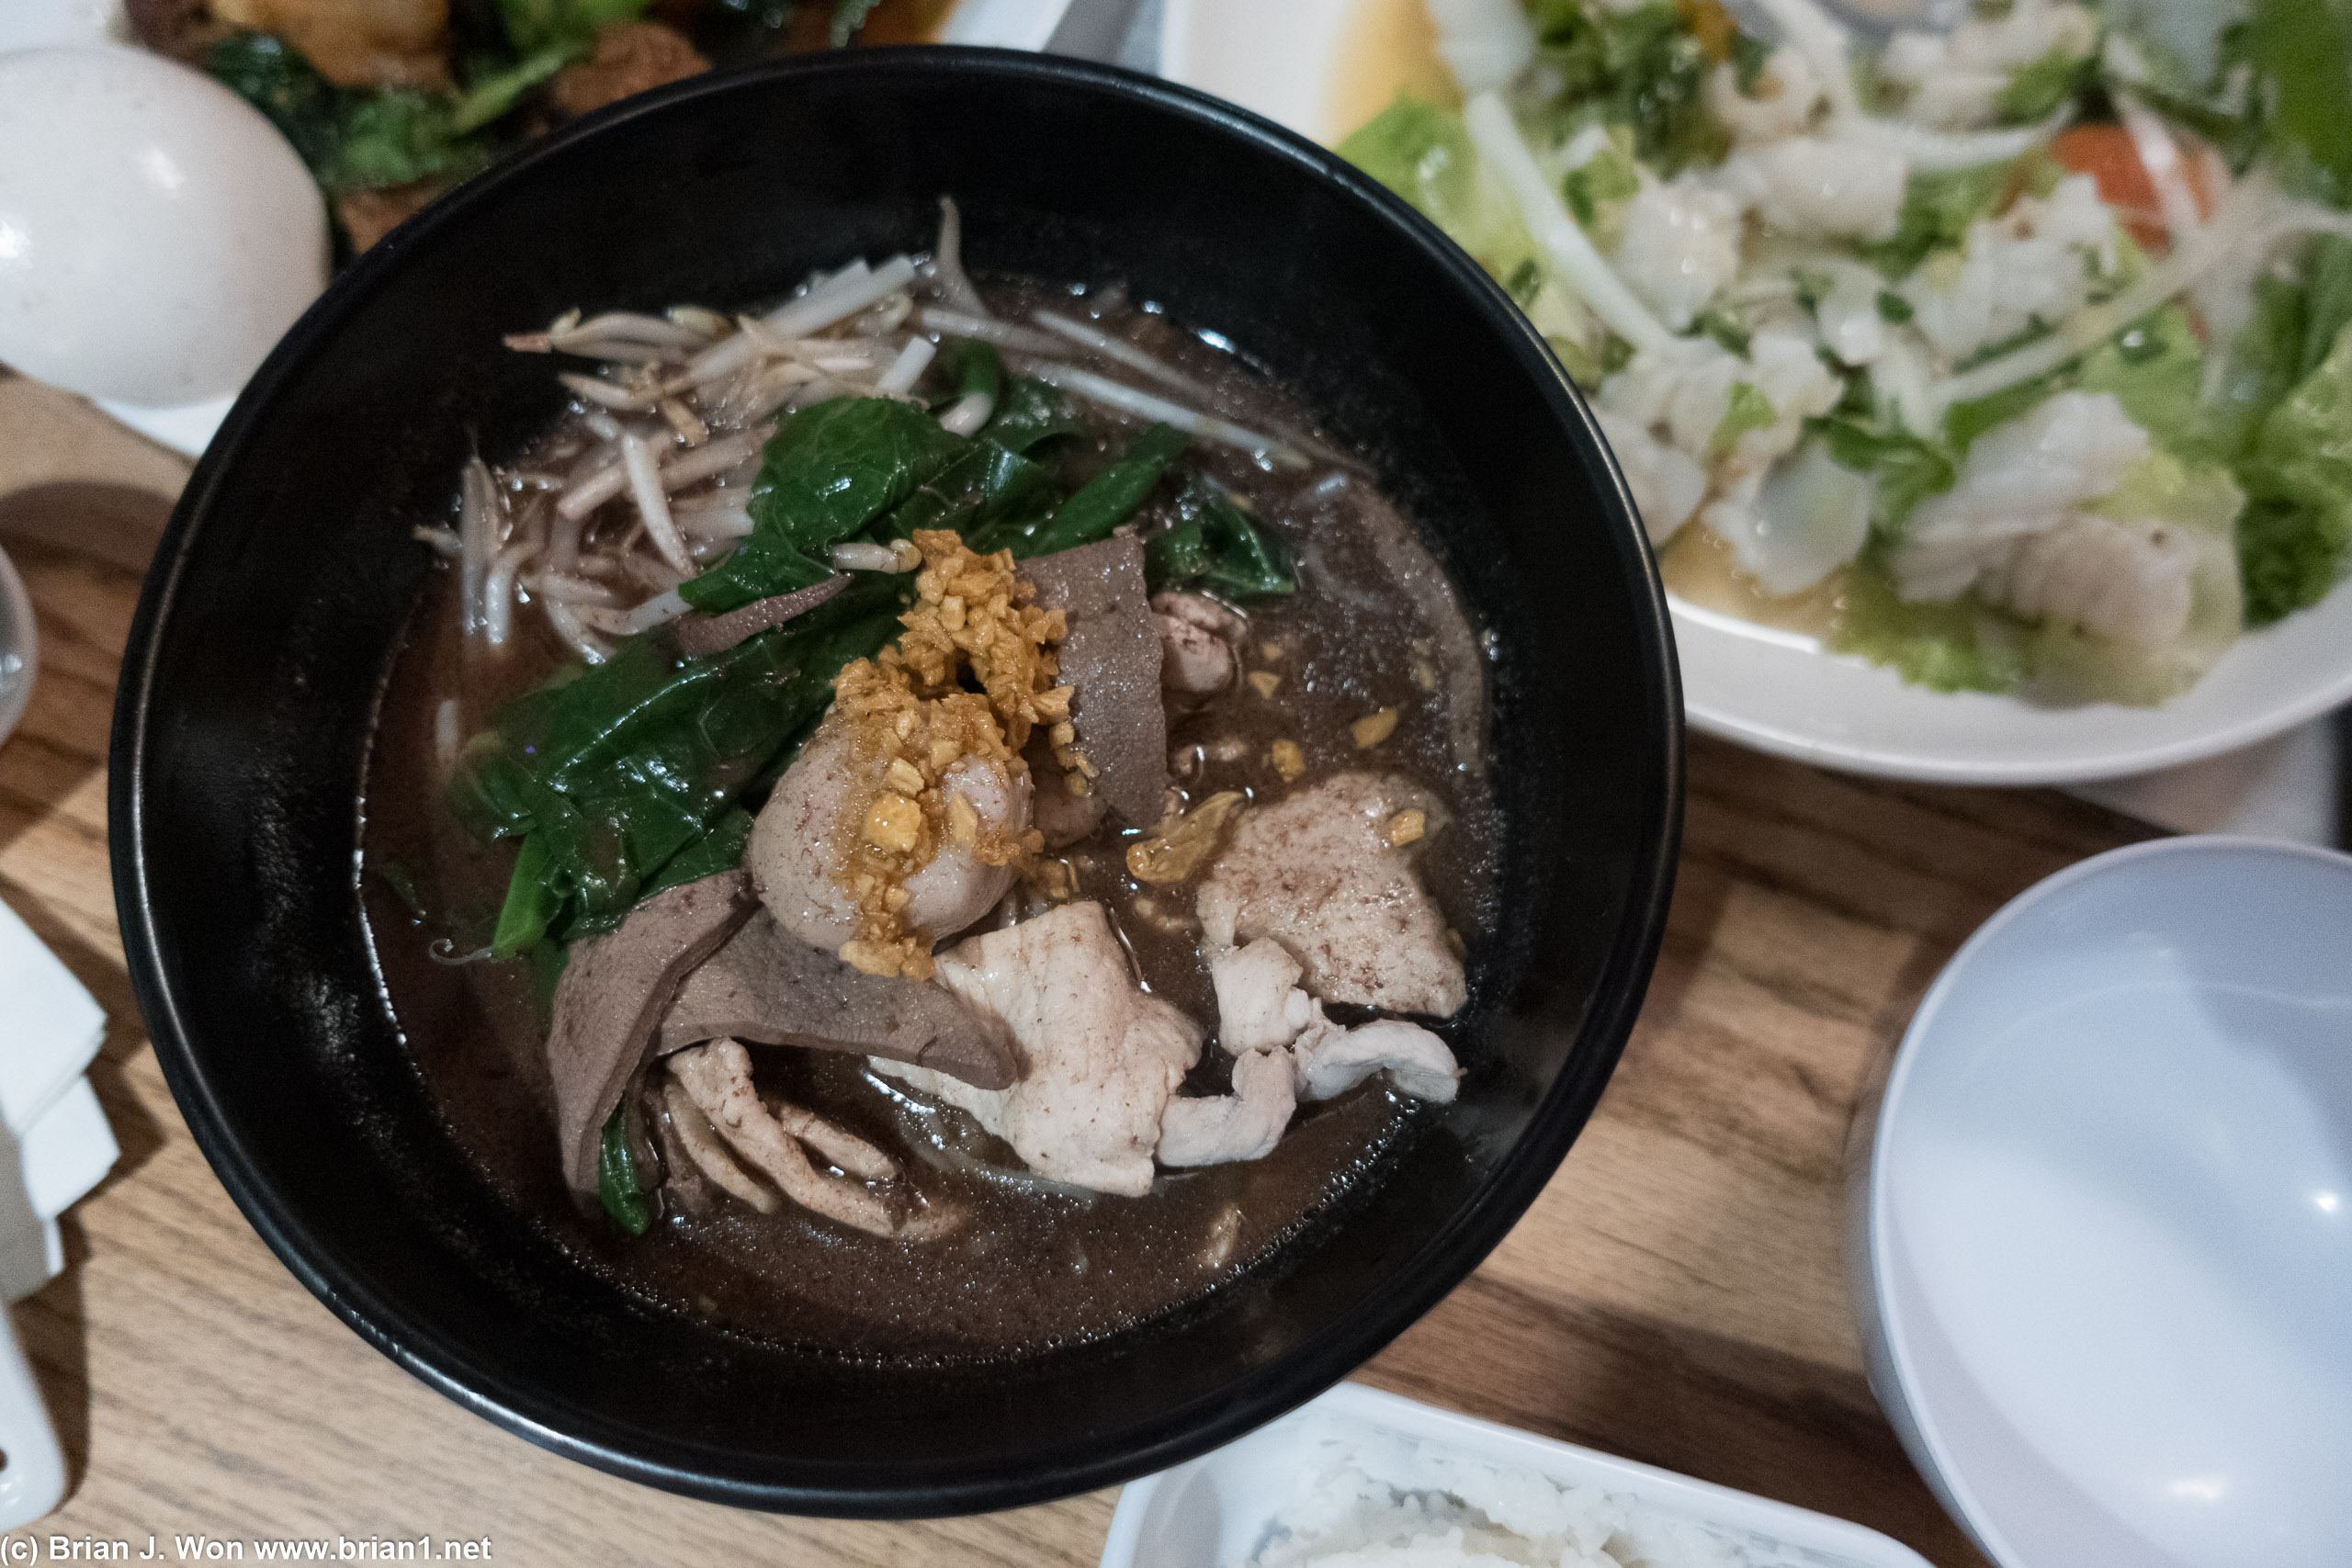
point(1776, 690)
point(2103, 1261)
point(1214, 1512)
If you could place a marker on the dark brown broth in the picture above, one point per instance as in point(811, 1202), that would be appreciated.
point(1376, 624)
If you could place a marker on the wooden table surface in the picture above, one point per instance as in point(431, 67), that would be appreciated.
point(1677, 1295)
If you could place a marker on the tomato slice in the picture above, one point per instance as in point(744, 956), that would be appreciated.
point(2109, 156)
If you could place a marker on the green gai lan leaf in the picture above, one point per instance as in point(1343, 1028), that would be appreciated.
point(1104, 501)
point(975, 366)
point(617, 1186)
point(1029, 412)
point(828, 471)
point(607, 773)
point(1215, 547)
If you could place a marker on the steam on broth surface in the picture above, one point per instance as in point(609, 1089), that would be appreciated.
point(935, 821)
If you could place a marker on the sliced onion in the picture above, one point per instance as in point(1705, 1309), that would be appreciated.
point(1504, 150)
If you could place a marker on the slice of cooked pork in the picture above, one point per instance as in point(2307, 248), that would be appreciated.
point(1319, 872)
point(1245, 1124)
point(1258, 1004)
point(1331, 1060)
point(1100, 1057)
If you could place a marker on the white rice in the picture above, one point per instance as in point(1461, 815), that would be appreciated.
point(1369, 1499)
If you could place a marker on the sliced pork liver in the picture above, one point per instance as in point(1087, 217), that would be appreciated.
point(768, 985)
point(1112, 659)
point(613, 992)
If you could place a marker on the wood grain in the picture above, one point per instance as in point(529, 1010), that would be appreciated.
point(1677, 1294)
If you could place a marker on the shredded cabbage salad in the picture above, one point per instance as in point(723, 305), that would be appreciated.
point(2026, 343)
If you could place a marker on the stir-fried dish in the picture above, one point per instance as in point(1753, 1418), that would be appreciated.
point(847, 773)
point(392, 102)
point(2012, 357)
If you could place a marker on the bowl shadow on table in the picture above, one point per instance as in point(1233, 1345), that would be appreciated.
point(120, 525)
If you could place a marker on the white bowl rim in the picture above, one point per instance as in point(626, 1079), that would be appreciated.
point(1788, 1525)
point(1948, 1479)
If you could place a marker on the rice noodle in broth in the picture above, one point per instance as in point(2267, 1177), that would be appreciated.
point(964, 817)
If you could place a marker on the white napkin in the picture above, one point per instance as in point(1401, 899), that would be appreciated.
point(54, 1146)
point(55, 1136)
point(2286, 787)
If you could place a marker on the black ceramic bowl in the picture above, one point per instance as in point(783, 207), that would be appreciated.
point(281, 589)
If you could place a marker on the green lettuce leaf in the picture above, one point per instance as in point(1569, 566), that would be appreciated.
point(1938, 207)
point(1956, 647)
point(2301, 53)
point(2292, 540)
point(1421, 151)
point(2036, 90)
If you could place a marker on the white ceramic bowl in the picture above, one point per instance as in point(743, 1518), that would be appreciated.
point(19, 646)
point(1215, 1511)
point(2103, 1261)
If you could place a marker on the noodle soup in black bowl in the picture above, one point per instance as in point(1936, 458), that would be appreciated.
point(696, 575)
